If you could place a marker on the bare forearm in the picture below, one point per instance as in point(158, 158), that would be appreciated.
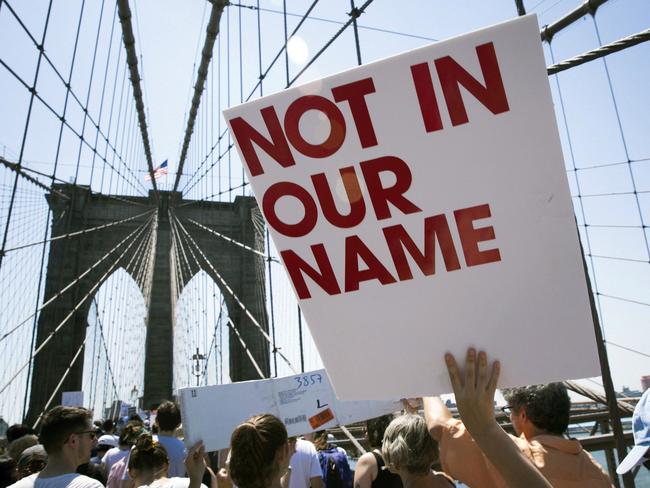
point(506, 457)
point(436, 414)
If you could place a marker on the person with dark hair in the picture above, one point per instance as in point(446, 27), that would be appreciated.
point(7, 471)
point(148, 465)
point(304, 465)
point(538, 409)
point(370, 472)
point(68, 436)
point(259, 453)
point(539, 415)
point(32, 460)
point(333, 462)
point(108, 426)
point(16, 431)
point(410, 451)
point(127, 438)
point(168, 419)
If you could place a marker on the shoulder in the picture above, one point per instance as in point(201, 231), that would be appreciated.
point(83, 481)
point(305, 446)
point(368, 460)
point(26, 482)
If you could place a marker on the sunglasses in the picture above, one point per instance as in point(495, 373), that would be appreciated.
point(507, 409)
point(93, 434)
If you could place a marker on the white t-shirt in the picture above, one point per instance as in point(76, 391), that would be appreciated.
point(176, 452)
point(114, 455)
point(171, 483)
point(304, 465)
point(70, 480)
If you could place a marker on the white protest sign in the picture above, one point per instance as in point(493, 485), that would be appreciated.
point(420, 205)
point(72, 398)
point(304, 402)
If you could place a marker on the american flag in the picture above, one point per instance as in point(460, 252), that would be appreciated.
point(158, 171)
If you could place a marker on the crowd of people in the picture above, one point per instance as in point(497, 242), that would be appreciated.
point(407, 450)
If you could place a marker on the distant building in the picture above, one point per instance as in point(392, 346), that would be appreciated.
point(645, 382)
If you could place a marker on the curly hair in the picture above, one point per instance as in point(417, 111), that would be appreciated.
point(547, 406)
point(253, 449)
point(408, 445)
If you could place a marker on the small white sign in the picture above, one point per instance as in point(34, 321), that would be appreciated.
point(420, 205)
point(304, 402)
point(72, 398)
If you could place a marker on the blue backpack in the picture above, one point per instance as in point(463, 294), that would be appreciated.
point(335, 468)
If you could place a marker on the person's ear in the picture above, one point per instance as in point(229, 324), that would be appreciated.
point(522, 413)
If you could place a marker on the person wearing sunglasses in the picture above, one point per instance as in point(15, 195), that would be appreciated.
point(68, 436)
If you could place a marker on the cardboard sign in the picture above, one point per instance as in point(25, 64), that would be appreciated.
point(420, 205)
point(305, 403)
point(72, 398)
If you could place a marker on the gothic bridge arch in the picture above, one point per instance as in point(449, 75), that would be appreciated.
point(241, 269)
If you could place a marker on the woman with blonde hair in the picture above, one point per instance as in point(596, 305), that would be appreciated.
point(409, 451)
point(259, 453)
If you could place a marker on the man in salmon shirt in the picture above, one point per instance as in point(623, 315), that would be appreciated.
point(539, 415)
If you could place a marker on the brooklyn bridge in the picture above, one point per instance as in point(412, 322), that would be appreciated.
point(134, 259)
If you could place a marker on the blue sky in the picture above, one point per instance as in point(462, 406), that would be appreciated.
point(599, 132)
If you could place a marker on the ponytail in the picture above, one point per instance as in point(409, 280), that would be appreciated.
point(254, 446)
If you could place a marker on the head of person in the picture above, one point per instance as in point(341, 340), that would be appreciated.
point(104, 443)
point(32, 460)
point(375, 429)
point(7, 471)
point(16, 431)
point(16, 448)
point(408, 448)
point(320, 440)
point(108, 426)
point(259, 452)
point(68, 431)
point(539, 409)
point(640, 453)
point(148, 460)
point(168, 417)
point(130, 433)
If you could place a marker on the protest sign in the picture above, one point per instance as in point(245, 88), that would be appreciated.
point(72, 398)
point(304, 402)
point(420, 205)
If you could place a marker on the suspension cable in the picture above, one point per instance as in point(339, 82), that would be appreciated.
point(71, 313)
point(80, 232)
point(132, 61)
point(231, 240)
point(232, 293)
point(74, 282)
point(63, 377)
point(600, 52)
point(211, 33)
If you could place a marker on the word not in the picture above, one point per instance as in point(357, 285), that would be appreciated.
point(450, 74)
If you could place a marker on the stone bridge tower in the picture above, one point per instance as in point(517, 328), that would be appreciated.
point(241, 269)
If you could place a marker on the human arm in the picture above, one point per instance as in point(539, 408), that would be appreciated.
point(474, 391)
point(366, 471)
point(195, 464)
point(436, 415)
point(316, 482)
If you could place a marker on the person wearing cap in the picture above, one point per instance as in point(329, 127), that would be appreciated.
point(640, 453)
point(539, 416)
point(105, 443)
